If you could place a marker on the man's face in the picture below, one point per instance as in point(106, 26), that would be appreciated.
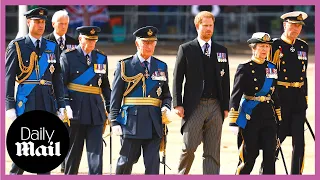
point(206, 28)
point(36, 26)
point(292, 30)
point(146, 47)
point(87, 44)
point(61, 26)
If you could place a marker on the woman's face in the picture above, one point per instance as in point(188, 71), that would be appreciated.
point(262, 50)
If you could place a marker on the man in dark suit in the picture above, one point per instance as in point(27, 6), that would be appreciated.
point(34, 61)
point(87, 90)
point(141, 83)
point(60, 23)
point(204, 64)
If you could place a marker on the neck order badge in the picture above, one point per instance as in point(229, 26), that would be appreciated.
point(37, 141)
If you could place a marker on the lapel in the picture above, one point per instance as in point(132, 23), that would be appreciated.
point(136, 64)
point(199, 53)
point(43, 46)
point(29, 43)
point(153, 65)
point(51, 37)
point(93, 57)
point(80, 55)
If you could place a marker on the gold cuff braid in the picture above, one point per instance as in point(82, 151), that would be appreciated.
point(278, 112)
point(233, 115)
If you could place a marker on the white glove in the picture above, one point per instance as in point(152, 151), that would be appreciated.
point(234, 129)
point(11, 114)
point(60, 113)
point(165, 109)
point(116, 130)
point(69, 112)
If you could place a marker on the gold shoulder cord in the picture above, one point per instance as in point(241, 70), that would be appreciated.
point(25, 69)
point(134, 79)
point(276, 58)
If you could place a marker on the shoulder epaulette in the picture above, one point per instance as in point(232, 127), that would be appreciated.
point(246, 61)
point(302, 40)
point(18, 39)
point(101, 52)
point(128, 58)
point(70, 50)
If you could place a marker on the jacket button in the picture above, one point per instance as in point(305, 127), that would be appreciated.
point(256, 88)
point(283, 62)
point(302, 62)
point(255, 79)
point(284, 70)
point(301, 78)
point(286, 78)
point(90, 84)
point(252, 71)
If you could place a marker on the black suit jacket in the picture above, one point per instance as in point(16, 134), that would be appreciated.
point(69, 41)
point(189, 65)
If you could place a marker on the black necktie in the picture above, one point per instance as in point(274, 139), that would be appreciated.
point(88, 59)
point(146, 65)
point(206, 50)
point(61, 43)
point(38, 46)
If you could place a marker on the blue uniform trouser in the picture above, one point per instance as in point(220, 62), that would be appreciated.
point(93, 136)
point(131, 151)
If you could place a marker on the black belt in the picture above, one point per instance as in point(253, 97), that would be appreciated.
point(39, 82)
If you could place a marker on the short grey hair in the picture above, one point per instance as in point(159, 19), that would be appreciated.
point(59, 14)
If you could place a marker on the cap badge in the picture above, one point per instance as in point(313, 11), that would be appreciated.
point(41, 12)
point(149, 32)
point(299, 18)
point(266, 38)
point(92, 31)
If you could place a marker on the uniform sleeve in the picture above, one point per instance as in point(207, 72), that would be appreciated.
point(276, 101)
point(11, 71)
point(306, 79)
point(178, 77)
point(65, 76)
point(226, 86)
point(106, 91)
point(236, 95)
point(166, 95)
point(116, 95)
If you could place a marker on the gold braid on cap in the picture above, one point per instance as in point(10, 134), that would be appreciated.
point(134, 79)
point(26, 69)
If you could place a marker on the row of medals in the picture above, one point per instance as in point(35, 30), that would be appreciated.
point(147, 75)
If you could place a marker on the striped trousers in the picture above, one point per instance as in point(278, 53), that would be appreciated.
point(204, 125)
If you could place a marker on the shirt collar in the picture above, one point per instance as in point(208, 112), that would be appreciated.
point(84, 53)
point(33, 39)
point(57, 37)
point(141, 59)
point(202, 42)
point(287, 40)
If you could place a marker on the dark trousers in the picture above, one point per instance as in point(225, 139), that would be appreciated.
point(131, 151)
point(294, 123)
point(93, 136)
point(258, 134)
point(15, 170)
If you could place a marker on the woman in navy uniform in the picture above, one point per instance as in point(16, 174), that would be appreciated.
point(34, 61)
point(87, 90)
point(140, 92)
point(254, 106)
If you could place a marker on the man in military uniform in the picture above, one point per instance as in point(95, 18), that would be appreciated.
point(141, 83)
point(85, 74)
point(60, 23)
point(291, 57)
point(34, 61)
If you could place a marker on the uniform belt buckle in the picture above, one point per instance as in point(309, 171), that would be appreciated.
point(42, 82)
point(295, 84)
point(262, 98)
